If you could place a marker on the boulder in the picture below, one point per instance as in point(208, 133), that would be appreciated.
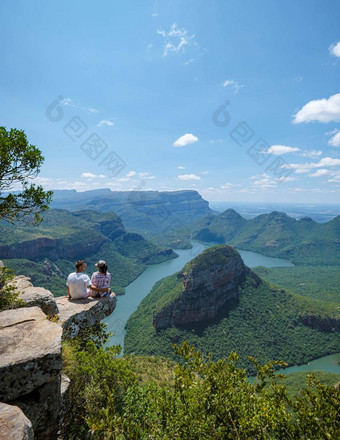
point(14, 425)
point(35, 296)
point(76, 314)
point(30, 351)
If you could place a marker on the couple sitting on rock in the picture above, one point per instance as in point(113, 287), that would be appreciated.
point(79, 285)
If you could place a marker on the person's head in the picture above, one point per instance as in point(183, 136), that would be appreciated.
point(101, 266)
point(80, 266)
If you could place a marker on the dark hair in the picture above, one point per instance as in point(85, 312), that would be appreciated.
point(79, 263)
point(102, 268)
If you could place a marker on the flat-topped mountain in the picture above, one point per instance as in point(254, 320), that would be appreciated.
point(47, 253)
point(219, 305)
point(275, 234)
point(140, 211)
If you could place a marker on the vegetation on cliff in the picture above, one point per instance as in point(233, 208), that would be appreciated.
point(203, 399)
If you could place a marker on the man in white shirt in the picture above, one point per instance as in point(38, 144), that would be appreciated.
point(78, 282)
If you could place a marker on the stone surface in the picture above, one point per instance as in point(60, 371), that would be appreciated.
point(30, 351)
point(42, 406)
point(82, 313)
point(209, 282)
point(35, 296)
point(14, 425)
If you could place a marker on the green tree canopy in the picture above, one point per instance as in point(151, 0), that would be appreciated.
point(20, 162)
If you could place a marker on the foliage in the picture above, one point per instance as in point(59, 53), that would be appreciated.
point(8, 293)
point(263, 322)
point(295, 382)
point(20, 162)
point(319, 283)
point(98, 378)
point(208, 400)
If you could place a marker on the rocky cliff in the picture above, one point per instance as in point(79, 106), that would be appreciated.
point(209, 282)
point(31, 361)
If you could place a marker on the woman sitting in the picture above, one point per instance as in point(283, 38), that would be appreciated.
point(100, 281)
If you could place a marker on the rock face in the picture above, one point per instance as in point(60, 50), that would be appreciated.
point(30, 362)
point(30, 351)
point(209, 282)
point(14, 425)
point(35, 296)
point(83, 313)
point(50, 248)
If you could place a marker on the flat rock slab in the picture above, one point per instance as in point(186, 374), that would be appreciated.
point(35, 296)
point(30, 351)
point(14, 425)
point(76, 314)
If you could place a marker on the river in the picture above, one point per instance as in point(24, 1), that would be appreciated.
point(141, 286)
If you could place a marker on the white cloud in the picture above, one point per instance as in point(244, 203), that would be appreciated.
point(92, 176)
point(320, 173)
point(306, 167)
point(189, 61)
point(234, 85)
point(186, 139)
point(106, 123)
point(188, 177)
point(131, 173)
point(204, 173)
point(321, 110)
point(335, 49)
point(311, 153)
point(154, 14)
point(69, 103)
point(176, 39)
point(281, 149)
point(335, 140)
point(146, 176)
point(88, 175)
point(181, 168)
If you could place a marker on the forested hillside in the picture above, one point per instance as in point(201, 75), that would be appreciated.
point(47, 253)
point(276, 234)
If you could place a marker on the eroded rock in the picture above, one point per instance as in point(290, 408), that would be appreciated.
point(209, 282)
point(82, 313)
point(14, 425)
point(35, 296)
point(42, 406)
point(30, 351)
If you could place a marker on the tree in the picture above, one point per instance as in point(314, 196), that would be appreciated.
point(20, 162)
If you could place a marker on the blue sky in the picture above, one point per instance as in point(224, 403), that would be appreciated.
point(239, 100)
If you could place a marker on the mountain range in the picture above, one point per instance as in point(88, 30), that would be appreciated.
point(275, 234)
point(141, 211)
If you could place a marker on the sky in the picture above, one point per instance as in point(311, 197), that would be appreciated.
point(237, 99)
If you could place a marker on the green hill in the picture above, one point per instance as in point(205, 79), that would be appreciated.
point(259, 320)
point(47, 253)
point(276, 234)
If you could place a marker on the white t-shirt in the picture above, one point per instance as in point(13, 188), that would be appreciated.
point(77, 283)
